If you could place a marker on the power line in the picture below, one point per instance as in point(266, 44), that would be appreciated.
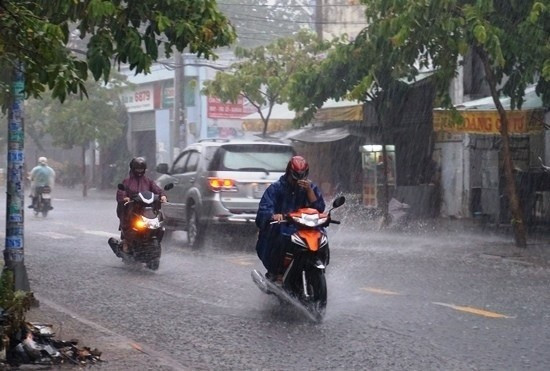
point(291, 6)
point(252, 18)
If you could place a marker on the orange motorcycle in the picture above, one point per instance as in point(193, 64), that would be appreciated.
point(304, 284)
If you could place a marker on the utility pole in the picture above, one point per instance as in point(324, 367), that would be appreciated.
point(14, 256)
point(319, 18)
point(179, 106)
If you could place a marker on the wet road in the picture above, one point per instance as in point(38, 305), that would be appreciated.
point(396, 302)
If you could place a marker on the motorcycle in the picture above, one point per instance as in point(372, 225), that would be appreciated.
point(42, 202)
point(146, 230)
point(304, 284)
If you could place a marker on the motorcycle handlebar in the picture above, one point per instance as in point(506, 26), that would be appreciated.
point(335, 222)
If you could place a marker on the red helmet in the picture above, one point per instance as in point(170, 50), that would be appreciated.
point(297, 168)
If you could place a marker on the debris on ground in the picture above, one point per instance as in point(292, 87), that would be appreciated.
point(35, 344)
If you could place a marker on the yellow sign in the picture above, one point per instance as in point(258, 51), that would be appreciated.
point(274, 125)
point(488, 122)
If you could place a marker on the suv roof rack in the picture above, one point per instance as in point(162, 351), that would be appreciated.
point(269, 139)
point(222, 140)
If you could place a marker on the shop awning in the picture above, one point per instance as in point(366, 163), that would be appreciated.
point(481, 117)
point(321, 135)
point(282, 117)
point(530, 101)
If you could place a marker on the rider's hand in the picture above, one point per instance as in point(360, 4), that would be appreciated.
point(163, 199)
point(305, 184)
point(277, 217)
point(126, 199)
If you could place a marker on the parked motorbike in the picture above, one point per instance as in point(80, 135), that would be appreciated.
point(43, 202)
point(304, 284)
point(146, 231)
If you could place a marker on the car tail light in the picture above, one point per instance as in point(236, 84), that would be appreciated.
point(220, 184)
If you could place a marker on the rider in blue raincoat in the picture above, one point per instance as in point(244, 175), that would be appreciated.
point(292, 191)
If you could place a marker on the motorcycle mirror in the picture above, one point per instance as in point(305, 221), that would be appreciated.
point(339, 202)
point(121, 187)
point(168, 186)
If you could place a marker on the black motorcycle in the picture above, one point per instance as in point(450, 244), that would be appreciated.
point(145, 232)
point(42, 203)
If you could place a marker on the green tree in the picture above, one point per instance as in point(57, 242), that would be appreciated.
point(510, 37)
point(263, 76)
point(81, 123)
point(35, 56)
point(36, 33)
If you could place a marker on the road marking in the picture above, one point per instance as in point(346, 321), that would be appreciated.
point(57, 236)
point(379, 291)
point(241, 261)
point(101, 233)
point(472, 310)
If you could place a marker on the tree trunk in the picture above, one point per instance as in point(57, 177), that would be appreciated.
point(520, 234)
point(84, 175)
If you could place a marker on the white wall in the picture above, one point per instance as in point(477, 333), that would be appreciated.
point(454, 177)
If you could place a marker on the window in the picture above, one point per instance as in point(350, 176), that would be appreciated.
point(192, 162)
point(179, 164)
point(253, 157)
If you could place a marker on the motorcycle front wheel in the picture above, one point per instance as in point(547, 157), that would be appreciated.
point(318, 289)
point(153, 264)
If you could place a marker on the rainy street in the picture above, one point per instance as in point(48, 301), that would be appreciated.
point(399, 301)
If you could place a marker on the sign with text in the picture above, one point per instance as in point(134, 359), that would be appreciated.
point(219, 109)
point(141, 99)
point(488, 122)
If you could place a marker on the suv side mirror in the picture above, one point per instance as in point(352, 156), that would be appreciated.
point(162, 168)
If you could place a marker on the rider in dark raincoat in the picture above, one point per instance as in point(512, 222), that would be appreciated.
point(292, 191)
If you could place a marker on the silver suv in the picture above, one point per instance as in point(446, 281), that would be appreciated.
point(219, 182)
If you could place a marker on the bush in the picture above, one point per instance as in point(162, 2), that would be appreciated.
point(68, 175)
point(13, 305)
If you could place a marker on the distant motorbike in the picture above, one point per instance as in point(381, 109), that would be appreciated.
point(43, 202)
point(146, 232)
point(304, 284)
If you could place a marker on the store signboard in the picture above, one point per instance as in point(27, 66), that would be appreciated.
point(168, 93)
point(488, 122)
point(140, 99)
point(219, 109)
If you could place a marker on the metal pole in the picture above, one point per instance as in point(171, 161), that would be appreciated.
point(14, 256)
point(319, 18)
point(179, 106)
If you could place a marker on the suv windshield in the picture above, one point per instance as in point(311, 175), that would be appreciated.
point(251, 157)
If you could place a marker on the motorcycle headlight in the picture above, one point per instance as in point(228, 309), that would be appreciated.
point(146, 223)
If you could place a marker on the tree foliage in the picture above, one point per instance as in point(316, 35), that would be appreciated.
point(263, 76)
point(79, 122)
point(119, 31)
point(406, 37)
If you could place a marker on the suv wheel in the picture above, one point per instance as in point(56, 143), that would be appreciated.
point(194, 229)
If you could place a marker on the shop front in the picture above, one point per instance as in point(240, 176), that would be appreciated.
point(468, 152)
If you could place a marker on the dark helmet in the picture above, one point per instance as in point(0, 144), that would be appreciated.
point(138, 166)
point(297, 168)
